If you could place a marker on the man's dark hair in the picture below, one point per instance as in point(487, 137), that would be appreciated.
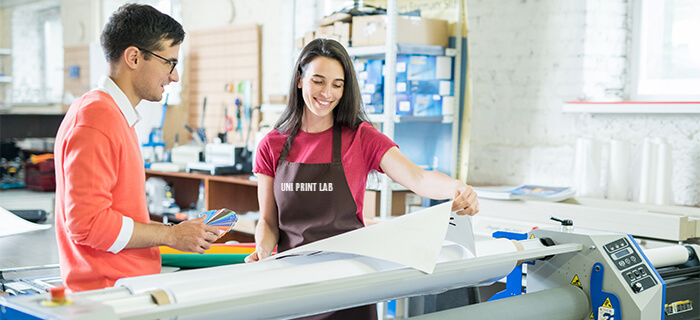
point(141, 26)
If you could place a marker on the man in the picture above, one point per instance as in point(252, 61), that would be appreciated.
point(103, 228)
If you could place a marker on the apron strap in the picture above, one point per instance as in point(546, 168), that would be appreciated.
point(337, 130)
point(287, 146)
point(336, 143)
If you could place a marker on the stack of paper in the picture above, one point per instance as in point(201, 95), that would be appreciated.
point(525, 192)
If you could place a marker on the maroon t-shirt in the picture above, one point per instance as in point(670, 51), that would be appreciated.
point(361, 151)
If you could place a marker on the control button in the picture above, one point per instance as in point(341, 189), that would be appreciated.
point(637, 287)
point(642, 271)
point(636, 274)
point(58, 294)
point(621, 263)
point(627, 260)
point(633, 258)
point(629, 276)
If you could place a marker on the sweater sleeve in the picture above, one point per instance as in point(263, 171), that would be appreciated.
point(90, 169)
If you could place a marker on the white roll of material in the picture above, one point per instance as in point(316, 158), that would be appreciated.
point(667, 256)
point(619, 171)
point(662, 193)
point(587, 168)
point(253, 278)
point(656, 171)
point(647, 175)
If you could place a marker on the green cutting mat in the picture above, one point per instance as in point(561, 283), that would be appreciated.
point(202, 260)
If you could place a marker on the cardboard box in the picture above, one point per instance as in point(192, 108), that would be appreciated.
point(277, 98)
point(308, 37)
point(399, 203)
point(371, 31)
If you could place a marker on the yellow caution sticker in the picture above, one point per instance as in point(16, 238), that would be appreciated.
point(607, 303)
point(575, 281)
point(591, 316)
point(532, 236)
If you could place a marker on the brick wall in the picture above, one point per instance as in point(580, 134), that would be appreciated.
point(527, 58)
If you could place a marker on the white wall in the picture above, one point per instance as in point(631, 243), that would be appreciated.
point(527, 58)
point(275, 17)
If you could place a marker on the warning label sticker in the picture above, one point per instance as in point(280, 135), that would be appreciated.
point(575, 281)
point(607, 303)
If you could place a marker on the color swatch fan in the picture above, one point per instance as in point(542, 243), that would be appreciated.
point(224, 219)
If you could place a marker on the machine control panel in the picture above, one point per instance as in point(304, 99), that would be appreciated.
point(630, 264)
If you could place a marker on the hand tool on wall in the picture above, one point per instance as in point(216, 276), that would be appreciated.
point(228, 126)
point(239, 115)
point(201, 131)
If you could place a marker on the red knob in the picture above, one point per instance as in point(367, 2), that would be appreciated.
point(58, 294)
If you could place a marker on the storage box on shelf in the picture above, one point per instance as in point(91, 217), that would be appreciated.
point(40, 176)
point(371, 30)
point(424, 83)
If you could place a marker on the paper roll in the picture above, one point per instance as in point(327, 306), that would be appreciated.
point(667, 256)
point(619, 170)
point(656, 171)
point(647, 174)
point(662, 193)
point(587, 168)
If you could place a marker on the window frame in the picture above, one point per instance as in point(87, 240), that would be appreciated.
point(676, 90)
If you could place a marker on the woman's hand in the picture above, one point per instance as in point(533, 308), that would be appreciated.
point(465, 201)
point(257, 255)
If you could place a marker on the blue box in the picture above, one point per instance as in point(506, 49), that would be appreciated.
point(424, 87)
point(404, 104)
point(401, 67)
point(441, 87)
point(426, 105)
point(374, 71)
point(420, 67)
point(374, 102)
point(402, 87)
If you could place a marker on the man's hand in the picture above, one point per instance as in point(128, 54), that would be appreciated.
point(193, 235)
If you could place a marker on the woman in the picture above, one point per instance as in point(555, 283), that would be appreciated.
point(312, 169)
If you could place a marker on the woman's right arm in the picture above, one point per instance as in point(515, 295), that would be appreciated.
point(267, 230)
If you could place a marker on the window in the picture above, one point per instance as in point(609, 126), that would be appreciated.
point(37, 55)
point(665, 55)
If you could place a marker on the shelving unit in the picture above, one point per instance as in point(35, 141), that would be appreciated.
point(235, 192)
point(5, 79)
point(388, 118)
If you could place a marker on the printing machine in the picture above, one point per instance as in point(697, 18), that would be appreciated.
point(572, 273)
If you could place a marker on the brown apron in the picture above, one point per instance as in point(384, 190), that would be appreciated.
point(314, 202)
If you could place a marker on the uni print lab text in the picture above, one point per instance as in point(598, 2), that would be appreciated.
point(306, 186)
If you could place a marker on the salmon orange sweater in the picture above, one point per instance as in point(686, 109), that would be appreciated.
point(100, 190)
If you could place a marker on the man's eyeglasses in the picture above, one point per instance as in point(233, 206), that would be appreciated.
point(170, 62)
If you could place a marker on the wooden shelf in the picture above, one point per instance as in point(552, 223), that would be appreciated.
point(235, 192)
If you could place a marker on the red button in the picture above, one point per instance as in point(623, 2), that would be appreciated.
point(58, 294)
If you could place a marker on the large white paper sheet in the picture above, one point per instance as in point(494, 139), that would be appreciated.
point(413, 240)
point(11, 224)
point(460, 231)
